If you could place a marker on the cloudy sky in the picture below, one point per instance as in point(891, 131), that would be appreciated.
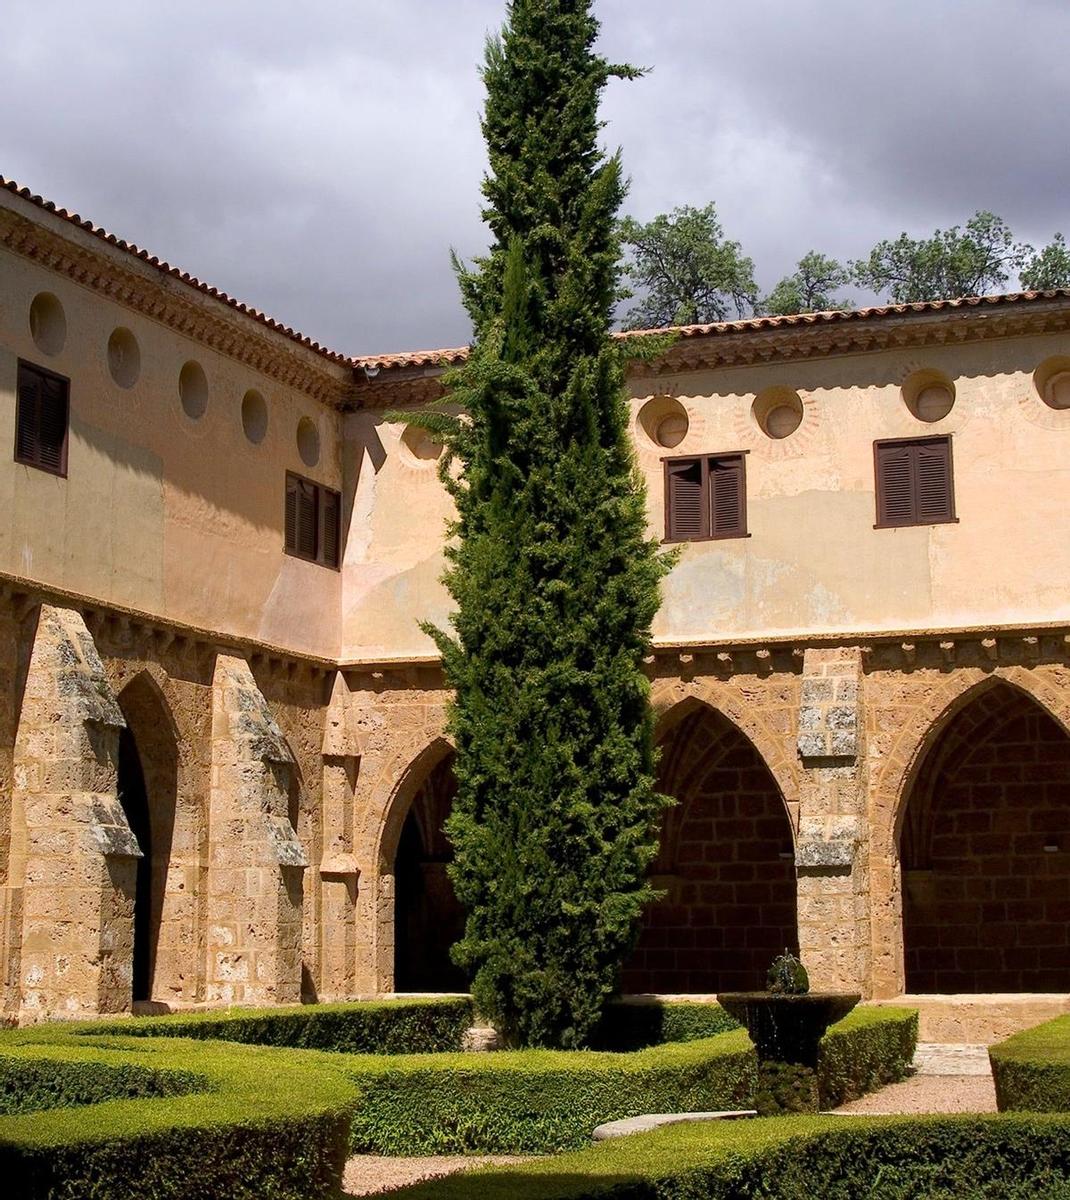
point(318, 160)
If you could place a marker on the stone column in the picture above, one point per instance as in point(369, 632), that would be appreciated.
point(832, 848)
point(74, 858)
point(255, 861)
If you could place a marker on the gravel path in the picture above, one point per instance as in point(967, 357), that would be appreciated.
point(930, 1094)
point(370, 1175)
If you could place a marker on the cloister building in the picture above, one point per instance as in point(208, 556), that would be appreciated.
point(223, 765)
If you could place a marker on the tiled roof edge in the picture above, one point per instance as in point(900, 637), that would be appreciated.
point(165, 268)
point(455, 355)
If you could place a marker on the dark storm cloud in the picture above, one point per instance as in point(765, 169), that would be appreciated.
point(320, 160)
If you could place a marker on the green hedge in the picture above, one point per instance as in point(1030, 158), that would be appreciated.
point(636, 1024)
point(797, 1158)
point(28, 1085)
point(537, 1101)
point(416, 1026)
point(869, 1048)
point(242, 1122)
point(1032, 1068)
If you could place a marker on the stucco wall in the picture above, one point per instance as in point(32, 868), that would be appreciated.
point(813, 563)
point(161, 513)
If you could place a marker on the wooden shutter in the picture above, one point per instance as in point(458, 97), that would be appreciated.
point(52, 426)
point(292, 486)
point(42, 419)
point(685, 513)
point(330, 515)
point(307, 519)
point(728, 497)
point(914, 482)
point(935, 499)
point(27, 418)
point(895, 484)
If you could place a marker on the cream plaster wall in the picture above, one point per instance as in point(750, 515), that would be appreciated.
point(813, 562)
point(170, 516)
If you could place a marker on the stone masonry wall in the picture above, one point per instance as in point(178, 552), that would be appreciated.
point(986, 905)
point(255, 861)
point(725, 866)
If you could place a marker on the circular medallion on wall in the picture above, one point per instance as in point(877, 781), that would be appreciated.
point(664, 422)
point(420, 448)
point(1047, 403)
point(929, 395)
point(124, 357)
point(48, 323)
point(778, 412)
point(254, 416)
point(193, 390)
point(308, 442)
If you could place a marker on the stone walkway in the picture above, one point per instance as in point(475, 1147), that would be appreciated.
point(371, 1175)
point(949, 1079)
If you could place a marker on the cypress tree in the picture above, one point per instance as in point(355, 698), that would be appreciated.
point(554, 577)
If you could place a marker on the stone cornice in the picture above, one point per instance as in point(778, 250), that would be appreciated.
point(129, 628)
point(950, 326)
point(199, 317)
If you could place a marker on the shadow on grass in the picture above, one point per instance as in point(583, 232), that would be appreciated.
point(510, 1183)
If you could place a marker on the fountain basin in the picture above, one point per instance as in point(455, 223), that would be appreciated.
point(786, 1028)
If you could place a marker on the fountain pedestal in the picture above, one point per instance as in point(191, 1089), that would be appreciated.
point(786, 1031)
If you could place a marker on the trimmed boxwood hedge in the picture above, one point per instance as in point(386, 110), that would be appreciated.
point(537, 1101)
point(242, 1122)
point(422, 1025)
point(1032, 1068)
point(797, 1158)
point(93, 1113)
point(869, 1048)
point(530, 1102)
point(636, 1024)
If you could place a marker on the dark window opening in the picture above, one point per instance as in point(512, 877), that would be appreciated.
point(915, 485)
point(42, 419)
point(313, 521)
point(705, 498)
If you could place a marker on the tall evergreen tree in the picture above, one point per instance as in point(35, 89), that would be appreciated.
point(554, 577)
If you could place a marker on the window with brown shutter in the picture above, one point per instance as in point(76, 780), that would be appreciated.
point(42, 419)
point(705, 498)
point(313, 521)
point(915, 482)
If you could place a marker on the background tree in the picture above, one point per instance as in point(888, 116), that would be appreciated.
point(685, 270)
point(553, 575)
point(1047, 268)
point(954, 262)
point(810, 288)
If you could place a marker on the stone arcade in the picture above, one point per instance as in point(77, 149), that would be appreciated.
point(223, 771)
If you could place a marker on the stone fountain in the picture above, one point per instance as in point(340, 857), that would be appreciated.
point(786, 1023)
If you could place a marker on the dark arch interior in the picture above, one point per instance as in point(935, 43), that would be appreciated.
point(148, 791)
point(427, 917)
point(985, 853)
point(134, 798)
point(725, 864)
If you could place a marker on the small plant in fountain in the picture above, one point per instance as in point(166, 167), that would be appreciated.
point(787, 976)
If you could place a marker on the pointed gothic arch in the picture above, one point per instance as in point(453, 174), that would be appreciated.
point(147, 786)
point(414, 850)
point(983, 849)
point(725, 862)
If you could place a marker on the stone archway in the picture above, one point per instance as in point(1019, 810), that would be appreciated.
point(427, 916)
point(725, 864)
point(984, 851)
point(147, 784)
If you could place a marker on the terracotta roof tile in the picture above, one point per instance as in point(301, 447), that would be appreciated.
point(444, 358)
